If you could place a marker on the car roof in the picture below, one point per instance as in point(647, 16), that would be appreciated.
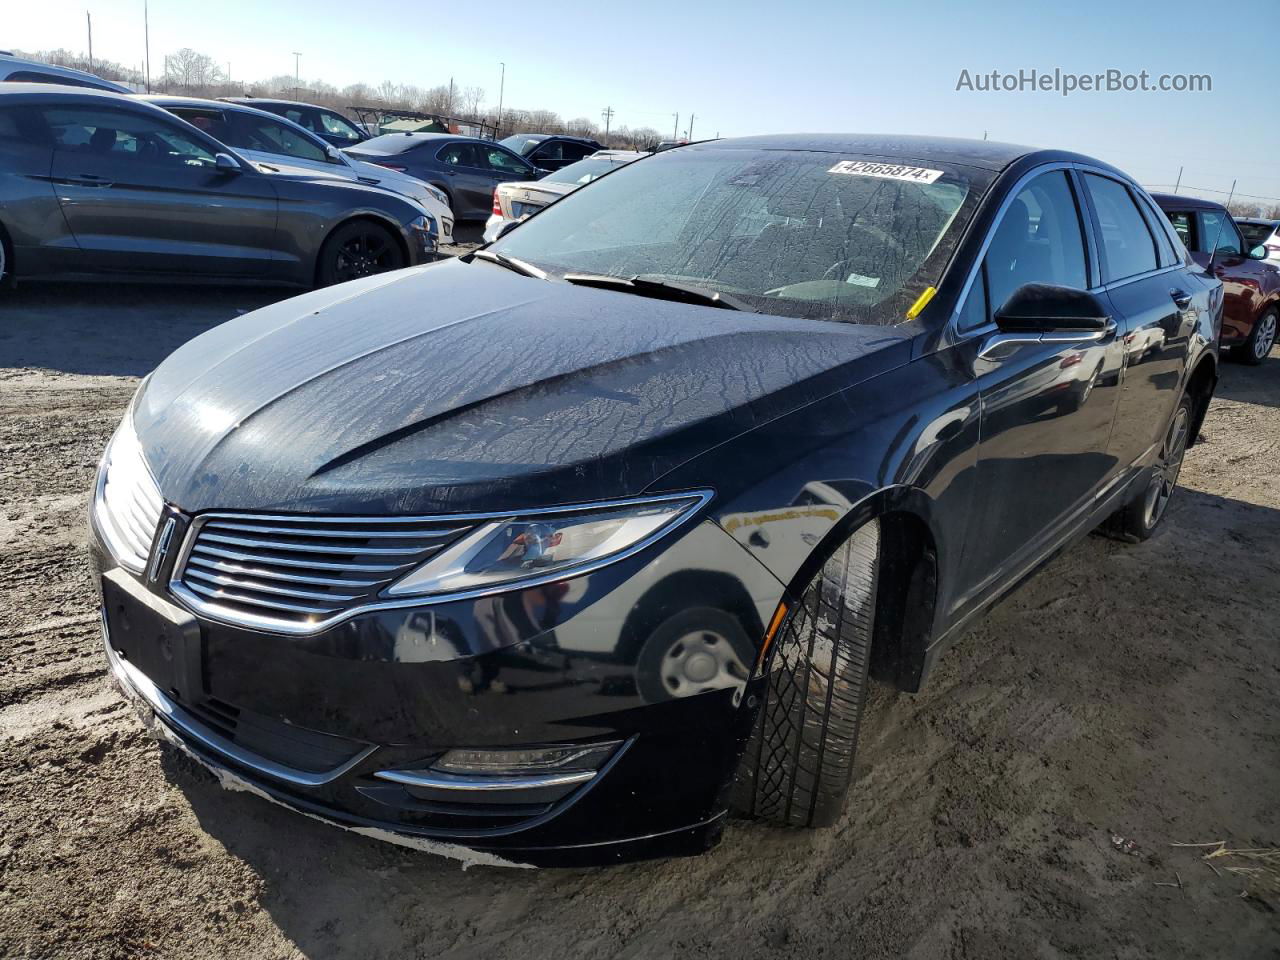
point(56, 91)
point(1263, 221)
point(1176, 201)
point(250, 101)
point(69, 72)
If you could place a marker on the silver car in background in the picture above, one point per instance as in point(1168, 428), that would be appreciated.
point(512, 202)
point(292, 150)
point(1260, 231)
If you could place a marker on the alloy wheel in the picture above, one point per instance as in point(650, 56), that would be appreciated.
point(363, 255)
point(1265, 338)
point(1168, 466)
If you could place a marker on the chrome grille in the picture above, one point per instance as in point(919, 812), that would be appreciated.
point(127, 504)
point(300, 571)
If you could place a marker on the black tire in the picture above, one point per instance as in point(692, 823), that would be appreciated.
point(1261, 339)
point(357, 249)
point(6, 260)
point(1138, 519)
point(695, 651)
point(798, 765)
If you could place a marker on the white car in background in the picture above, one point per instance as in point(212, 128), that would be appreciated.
point(1260, 231)
point(512, 202)
point(292, 150)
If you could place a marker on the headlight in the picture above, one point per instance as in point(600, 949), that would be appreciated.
point(127, 503)
point(438, 195)
point(548, 545)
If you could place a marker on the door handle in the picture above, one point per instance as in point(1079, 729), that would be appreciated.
point(1181, 299)
point(451, 173)
point(88, 180)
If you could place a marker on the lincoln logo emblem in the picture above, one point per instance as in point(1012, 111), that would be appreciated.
point(161, 549)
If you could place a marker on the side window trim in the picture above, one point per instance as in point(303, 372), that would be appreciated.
point(1160, 226)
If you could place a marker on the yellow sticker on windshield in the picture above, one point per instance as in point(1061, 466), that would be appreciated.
point(886, 171)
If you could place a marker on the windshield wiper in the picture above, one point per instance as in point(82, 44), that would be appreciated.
point(660, 290)
point(511, 263)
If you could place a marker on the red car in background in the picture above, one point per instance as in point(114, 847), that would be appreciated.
point(1251, 312)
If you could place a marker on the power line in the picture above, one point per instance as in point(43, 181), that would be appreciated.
point(1187, 186)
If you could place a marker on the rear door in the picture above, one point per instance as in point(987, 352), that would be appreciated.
point(469, 179)
point(1046, 408)
point(143, 195)
point(1156, 301)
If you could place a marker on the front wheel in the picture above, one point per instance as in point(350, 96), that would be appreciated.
point(1137, 520)
point(798, 765)
point(1261, 339)
point(355, 250)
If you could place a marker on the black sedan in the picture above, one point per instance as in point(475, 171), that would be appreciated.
point(555, 553)
point(467, 169)
point(551, 151)
point(97, 183)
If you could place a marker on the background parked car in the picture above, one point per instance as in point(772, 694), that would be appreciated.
point(512, 202)
point(17, 70)
point(548, 151)
point(93, 182)
point(1259, 231)
point(1252, 308)
point(327, 124)
point(465, 168)
point(264, 137)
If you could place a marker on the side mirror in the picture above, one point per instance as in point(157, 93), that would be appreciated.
point(541, 172)
point(1259, 252)
point(225, 163)
point(333, 154)
point(1047, 308)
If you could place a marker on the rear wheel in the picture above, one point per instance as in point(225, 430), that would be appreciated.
point(1261, 339)
point(1137, 520)
point(797, 768)
point(358, 249)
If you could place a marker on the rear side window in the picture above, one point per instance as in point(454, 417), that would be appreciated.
point(1158, 224)
point(548, 151)
point(1128, 248)
point(1038, 240)
point(212, 122)
point(576, 151)
point(1184, 225)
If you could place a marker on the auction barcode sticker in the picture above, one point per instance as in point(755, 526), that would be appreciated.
point(886, 171)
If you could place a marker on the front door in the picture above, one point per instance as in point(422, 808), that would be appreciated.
point(1047, 408)
point(141, 194)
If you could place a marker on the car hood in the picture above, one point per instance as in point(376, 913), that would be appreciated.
point(462, 386)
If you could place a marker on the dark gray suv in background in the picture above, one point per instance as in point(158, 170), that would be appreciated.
point(97, 183)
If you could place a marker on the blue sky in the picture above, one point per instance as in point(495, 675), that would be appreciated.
point(749, 67)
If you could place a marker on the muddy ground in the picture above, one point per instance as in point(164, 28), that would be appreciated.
point(1130, 691)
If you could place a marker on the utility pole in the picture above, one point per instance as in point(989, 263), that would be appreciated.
point(89, 20)
point(450, 107)
point(675, 133)
point(606, 115)
point(297, 73)
point(146, 40)
point(228, 72)
point(502, 83)
point(690, 131)
point(1179, 183)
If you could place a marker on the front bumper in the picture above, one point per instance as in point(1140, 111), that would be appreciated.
point(308, 721)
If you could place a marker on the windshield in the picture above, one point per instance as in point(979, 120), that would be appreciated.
point(521, 142)
point(796, 233)
point(584, 171)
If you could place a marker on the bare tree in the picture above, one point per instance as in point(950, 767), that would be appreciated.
point(1273, 212)
point(1244, 208)
point(191, 70)
point(469, 100)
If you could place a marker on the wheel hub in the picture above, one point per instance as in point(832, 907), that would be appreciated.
point(1168, 466)
point(700, 661)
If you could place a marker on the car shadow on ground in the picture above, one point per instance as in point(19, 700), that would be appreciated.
point(334, 893)
point(121, 330)
point(1251, 384)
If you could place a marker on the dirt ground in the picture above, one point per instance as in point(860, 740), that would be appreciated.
point(1130, 691)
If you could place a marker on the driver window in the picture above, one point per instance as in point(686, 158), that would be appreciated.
point(1039, 240)
point(1216, 225)
point(110, 133)
point(504, 162)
